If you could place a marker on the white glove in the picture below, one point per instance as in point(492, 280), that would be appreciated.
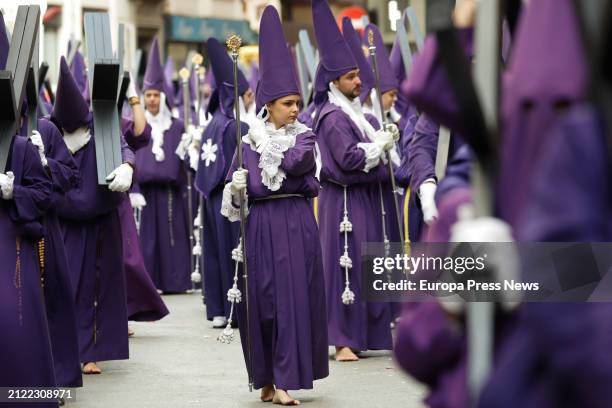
point(239, 180)
point(194, 156)
point(7, 185)
point(131, 90)
point(394, 130)
point(76, 140)
point(384, 140)
point(427, 192)
point(181, 149)
point(37, 141)
point(138, 201)
point(121, 178)
point(502, 259)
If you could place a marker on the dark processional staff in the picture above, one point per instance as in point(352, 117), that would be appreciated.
point(234, 295)
point(198, 223)
point(393, 129)
point(182, 152)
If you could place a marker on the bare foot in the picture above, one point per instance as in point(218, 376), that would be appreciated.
point(267, 393)
point(130, 332)
point(281, 397)
point(91, 368)
point(345, 354)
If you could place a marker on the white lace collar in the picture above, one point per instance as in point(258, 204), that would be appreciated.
point(272, 149)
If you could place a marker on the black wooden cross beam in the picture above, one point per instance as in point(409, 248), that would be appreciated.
point(104, 88)
point(13, 77)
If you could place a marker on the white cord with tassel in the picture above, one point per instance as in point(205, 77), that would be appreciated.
point(348, 296)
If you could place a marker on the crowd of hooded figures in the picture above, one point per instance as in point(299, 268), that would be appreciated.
point(261, 193)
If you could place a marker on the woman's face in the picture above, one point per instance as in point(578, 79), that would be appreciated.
point(284, 111)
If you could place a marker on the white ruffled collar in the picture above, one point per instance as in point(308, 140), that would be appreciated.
point(159, 124)
point(272, 150)
point(353, 109)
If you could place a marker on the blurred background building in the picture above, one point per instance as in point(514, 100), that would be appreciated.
point(183, 25)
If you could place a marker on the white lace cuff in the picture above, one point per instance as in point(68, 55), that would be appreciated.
point(372, 153)
point(228, 209)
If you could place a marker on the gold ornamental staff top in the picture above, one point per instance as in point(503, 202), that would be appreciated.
point(197, 59)
point(184, 74)
point(233, 43)
point(371, 37)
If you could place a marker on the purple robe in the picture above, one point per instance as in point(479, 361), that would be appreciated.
point(24, 344)
point(59, 293)
point(164, 231)
point(92, 235)
point(288, 330)
point(143, 301)
point(220, 236)
point(362, 325)
point(567, 360)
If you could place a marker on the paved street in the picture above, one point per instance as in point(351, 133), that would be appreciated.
point(178, 362)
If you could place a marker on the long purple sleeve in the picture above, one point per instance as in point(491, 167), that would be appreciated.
point(61, 164)
point(422, 160)
point(136, 142)
point(32, 193)
point(343, 144)
point(300, 159)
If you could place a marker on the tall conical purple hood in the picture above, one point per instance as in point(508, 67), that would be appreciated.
point(223, 69)
point(365, 69)
point(154, 75)
point(79, 73)
point(70, 110)
point(4, 43)
point(336, 58)
point(388, 80)
point(277, 77)
point(223, 72)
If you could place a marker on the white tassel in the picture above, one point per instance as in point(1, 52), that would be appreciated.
point(234, 296)
point(348, 296)
point(346, 225)
point(345, 261)
point(197, 250)
point(237, 255)
point(227, 335)
point(196, 277)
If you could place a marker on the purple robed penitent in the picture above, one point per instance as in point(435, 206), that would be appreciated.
point(59, 293)
point(143, 301)
point(92, 236)
point(218, 147)
point(25, 348)
point(287, 317)
point(164, 231)
point(361, 325)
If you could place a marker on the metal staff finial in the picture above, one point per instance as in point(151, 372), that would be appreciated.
point(371, 38)
point(233, 43)
point(184, 74)
point(197, 59)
